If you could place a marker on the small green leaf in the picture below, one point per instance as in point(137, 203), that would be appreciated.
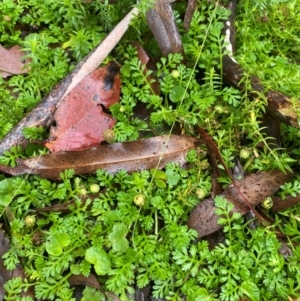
point(160, 183)
point(92, 294)
point(203, 295)
point(251, 290)
point(125, 70)
point(7, 191)
point(177, 94)
point(172, 177)
point(75, 269)
point(99, 259)
point(36, 133)
point(67, 174)
point(158, 174)
point(56, 242)
point(118, 237)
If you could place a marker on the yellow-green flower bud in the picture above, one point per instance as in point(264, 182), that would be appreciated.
point(82, 190)
point(109, 135)
point(6, 18)
point(200, 192)
point(139, 199)
point(267, 203)
point(94, 188)
point(244, 153)
point(30, 220)
point(220, 109)
point(175, 73)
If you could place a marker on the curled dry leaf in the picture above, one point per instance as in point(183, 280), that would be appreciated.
point(80, 118)
point(130, 156)
point(255, 188)
point(11, 61)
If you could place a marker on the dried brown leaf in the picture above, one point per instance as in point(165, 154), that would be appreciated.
point(255, 188)
point(11, 61)
point(130, 156)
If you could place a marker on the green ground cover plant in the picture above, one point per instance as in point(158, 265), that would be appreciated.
point(130, 230)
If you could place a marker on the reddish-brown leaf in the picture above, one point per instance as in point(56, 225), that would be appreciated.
point(11, 61)
point(80, 119)
point(131, 156)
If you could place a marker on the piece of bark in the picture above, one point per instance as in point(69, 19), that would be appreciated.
point(189, 12)
point(131, 156)
point(42, 114)
point(255, 188)
point(271, 127)
point(229, 30)
point(161, 22)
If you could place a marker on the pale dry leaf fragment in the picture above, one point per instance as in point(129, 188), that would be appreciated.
point(11, 61)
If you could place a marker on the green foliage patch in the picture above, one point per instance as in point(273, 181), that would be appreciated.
point(134, 231)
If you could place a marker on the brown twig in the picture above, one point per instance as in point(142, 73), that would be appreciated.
point(189, 12)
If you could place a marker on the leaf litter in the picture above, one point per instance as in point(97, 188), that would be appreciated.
point(12, 62)
point(59, 142)
point(80, 118)
point(130, 156)
point(255, 187)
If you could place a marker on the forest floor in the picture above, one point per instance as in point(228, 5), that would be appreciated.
point(170, 172)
